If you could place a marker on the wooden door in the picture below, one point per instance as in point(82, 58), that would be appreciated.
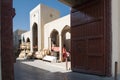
point(90, 38)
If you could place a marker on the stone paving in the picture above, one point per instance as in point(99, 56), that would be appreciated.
point(41, 70)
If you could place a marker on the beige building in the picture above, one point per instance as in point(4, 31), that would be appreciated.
point(39, 16)
point(46, 28)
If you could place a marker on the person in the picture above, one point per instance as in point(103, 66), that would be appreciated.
point(68, 55)
point(64, 53)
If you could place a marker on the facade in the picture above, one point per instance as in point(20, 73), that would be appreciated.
point(47, 27)
point(39, 16)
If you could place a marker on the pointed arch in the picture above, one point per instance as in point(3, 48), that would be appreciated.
point(35, 36)
point(66, 37)
point(28, 40)
point(23, 39)
point(54, 37)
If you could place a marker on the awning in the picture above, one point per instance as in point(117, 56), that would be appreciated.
point(73, 3)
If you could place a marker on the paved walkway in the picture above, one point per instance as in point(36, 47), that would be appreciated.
point(41, 70)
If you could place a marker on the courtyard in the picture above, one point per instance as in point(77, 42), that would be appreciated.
point(94, 43)
point(43, 70)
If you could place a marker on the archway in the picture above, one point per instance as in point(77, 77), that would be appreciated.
point(66, 37)
point(54, 37)
point(35, 37)
point(28, 40)
point(23, 39)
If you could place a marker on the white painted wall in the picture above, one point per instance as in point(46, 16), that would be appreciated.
point(58, 25)
point(41, 15)
point(115, 34)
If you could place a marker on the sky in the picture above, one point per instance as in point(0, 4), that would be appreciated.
point(23, 8)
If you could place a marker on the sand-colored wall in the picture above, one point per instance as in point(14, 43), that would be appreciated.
point(41, 15)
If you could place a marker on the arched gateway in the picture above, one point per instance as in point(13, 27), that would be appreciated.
point(35, 37)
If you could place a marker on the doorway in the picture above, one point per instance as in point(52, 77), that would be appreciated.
point(35, 37)
point(54, 38)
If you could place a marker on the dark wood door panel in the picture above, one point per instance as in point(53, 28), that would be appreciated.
point(95, 64)
point(80, 52)
point(88, 53)
point(88, 29)
point(88, 14)
point(95, 47)
point(88, 38)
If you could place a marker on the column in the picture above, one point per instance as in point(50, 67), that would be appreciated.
point(31, 46)
point(60, 45)
point(49, 43)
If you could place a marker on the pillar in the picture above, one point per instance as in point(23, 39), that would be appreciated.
point(31, 36)
point(49, 43)
point(60, 47)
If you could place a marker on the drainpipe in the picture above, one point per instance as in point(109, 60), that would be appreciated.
point(49, 44)
point(116, 68)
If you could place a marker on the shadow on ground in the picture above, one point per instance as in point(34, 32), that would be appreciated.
point(26, 72)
